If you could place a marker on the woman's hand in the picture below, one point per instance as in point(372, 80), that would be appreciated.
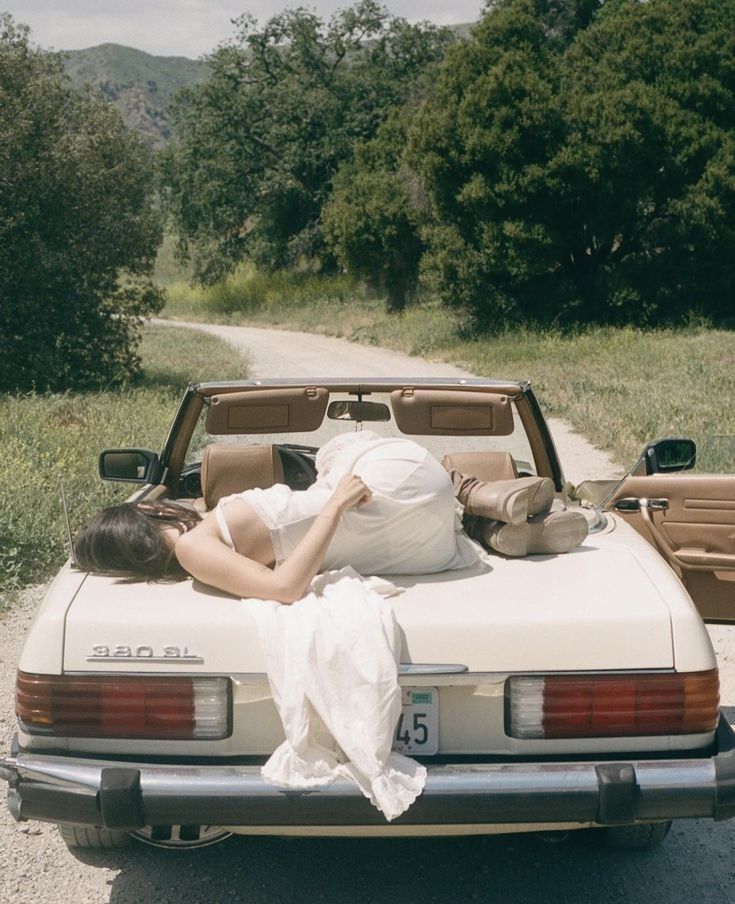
point(350, 492)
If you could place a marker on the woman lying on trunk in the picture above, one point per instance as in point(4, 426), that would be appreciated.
point(380, 505)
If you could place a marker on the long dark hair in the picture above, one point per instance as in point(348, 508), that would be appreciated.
point(126, 540)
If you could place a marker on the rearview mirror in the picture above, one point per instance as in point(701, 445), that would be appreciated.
point(130, 466)
point(664, 456)
point(343, 410)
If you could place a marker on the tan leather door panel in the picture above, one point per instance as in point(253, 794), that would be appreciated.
point(691, 521)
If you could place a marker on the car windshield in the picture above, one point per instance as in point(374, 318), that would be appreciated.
point(516, 442)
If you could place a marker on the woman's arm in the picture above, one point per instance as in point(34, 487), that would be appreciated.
point(206, 557)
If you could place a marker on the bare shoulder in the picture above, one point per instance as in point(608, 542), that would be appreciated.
point(248, 533)
point(237, 512)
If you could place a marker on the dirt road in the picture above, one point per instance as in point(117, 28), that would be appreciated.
point(695, 863)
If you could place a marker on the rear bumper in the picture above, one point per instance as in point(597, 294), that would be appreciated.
point(131, 795)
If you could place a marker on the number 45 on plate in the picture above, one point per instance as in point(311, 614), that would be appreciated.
point(417, 731)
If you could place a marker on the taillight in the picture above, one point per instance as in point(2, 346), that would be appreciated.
point(124, 707)
point(592, 706)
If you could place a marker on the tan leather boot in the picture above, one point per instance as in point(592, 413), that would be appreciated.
point(547, 534)
point(511, 501)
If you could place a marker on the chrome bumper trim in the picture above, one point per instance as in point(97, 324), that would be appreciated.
point(115, 794)
point(129, 795)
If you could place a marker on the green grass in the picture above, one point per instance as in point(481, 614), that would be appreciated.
point(251, 293)
point(624, 387)
point(620, 387)
point(46, 438)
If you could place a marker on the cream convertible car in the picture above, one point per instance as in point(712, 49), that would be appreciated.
point(549, 692)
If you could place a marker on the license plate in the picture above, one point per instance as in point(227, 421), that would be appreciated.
point(417, 731)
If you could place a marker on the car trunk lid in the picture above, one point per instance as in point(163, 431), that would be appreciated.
point(596, 608)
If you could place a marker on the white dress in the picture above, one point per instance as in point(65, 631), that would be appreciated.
point(332, 656)
point(411, 525)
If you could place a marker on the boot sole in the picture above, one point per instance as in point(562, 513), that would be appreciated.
point(549, 535)
point(557, 533)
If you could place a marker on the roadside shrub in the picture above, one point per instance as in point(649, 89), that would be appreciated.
point(78, 233)
point(249, 291)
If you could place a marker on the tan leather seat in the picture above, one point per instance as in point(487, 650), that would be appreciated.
point(483, 465)
point(233, 467)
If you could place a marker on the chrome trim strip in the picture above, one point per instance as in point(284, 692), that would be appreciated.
point(452, 676)
point(430, 668)
point(405, 668)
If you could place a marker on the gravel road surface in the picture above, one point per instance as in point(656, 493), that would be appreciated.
point(694, 864)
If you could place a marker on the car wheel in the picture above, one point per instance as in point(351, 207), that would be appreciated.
point(93, 838)
point(181, 837)
point(647, 835)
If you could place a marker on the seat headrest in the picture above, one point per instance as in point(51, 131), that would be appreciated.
point(229, 468)
point(483, 465)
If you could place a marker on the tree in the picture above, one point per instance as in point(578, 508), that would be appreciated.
point(260, 142)
point(77, 231)
point(584, 173)
point(372, 218)
point(480, 142)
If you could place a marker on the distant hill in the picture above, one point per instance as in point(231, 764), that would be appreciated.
point(139, 84)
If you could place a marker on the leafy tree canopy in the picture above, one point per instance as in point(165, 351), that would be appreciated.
point(585, 172)
point(77, 233)
point(260, 142)
point(372, 218)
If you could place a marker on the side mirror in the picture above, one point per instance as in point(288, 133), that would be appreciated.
point(664, 456)
point(358, 411)
point(130, 466)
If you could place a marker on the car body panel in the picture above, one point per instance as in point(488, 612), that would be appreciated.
point(43, 650)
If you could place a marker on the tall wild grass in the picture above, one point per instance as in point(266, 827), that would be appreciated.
point(47, 438)
point(248, 292)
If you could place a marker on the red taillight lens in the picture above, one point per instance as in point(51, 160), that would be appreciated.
point(592, 706)
point(123, 707)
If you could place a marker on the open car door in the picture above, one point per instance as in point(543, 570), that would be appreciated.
point(690, 519)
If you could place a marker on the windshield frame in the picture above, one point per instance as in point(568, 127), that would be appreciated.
point(540, 441)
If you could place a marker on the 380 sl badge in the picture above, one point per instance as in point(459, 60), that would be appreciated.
point(171, 653)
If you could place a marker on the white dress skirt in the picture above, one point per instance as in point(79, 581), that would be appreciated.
point(411, 525)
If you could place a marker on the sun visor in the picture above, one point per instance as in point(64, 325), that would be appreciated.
point(448, 413)
point(297, 410)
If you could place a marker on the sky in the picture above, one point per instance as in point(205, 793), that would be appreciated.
point(186, 27)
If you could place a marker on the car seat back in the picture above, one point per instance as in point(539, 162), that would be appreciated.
point(483, 465)
point(229, 468)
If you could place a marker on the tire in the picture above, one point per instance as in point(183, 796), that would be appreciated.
point(93, 838)
point(637, 837)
